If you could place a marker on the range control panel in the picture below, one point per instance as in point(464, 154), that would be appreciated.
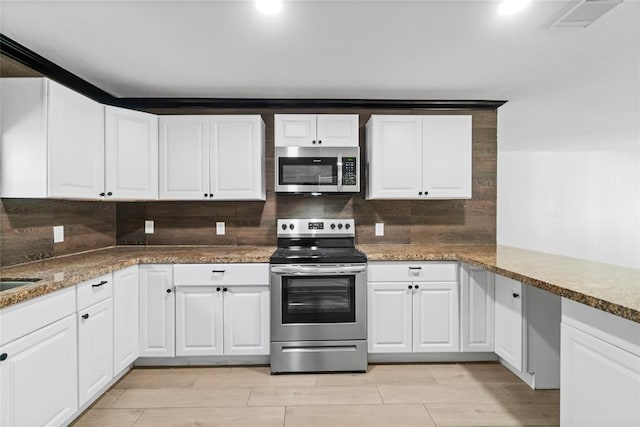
point(316, 227)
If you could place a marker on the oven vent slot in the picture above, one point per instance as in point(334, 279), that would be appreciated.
point(582, 13)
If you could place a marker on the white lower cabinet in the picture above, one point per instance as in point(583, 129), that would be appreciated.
point(157, 313)
point(198, 321)
point(476, 309)
point(38, 378)
point(413, 316)
point(95, 349)
point(125, 318)
point(509, 330)
point(600, 383)
point(222, 309)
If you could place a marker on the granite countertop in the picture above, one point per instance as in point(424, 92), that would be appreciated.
point(607, 287)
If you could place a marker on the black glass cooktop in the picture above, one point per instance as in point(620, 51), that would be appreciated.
point(315, 255)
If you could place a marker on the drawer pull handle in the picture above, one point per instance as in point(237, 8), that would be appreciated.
point(3, 357)
point(516, 295)
point(415, 268)
point(218, 271)
point(85, 316)
point(102, 282)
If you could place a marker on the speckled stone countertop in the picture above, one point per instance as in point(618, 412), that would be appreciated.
point(606, 287)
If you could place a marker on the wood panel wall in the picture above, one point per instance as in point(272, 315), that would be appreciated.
point(254, 223)
point(26, 228)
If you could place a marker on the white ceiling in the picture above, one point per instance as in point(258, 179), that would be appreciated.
point(313, 49)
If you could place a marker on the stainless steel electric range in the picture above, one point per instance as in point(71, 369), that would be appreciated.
point(318, 298)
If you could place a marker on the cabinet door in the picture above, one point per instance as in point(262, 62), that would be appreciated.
point(184, 158)
point(95, 349)
point(297, 130)
point(39, 378)
point(389, 317)
point(337, 130)
point(157, 315)
point(600, 384)
point(125, 318)
point(436, 326)
point(395, 157)
point(76, 144)
point(446, 157)
point(198, 321)
point(237, 158)
point(508, 321)
point(477, 309)
point(131, 154)
point(246, 320)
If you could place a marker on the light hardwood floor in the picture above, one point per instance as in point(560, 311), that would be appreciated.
point(482, 394)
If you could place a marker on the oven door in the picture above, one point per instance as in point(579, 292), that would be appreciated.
point(318, 302)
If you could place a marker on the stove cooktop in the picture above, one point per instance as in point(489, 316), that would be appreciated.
point(315, 255)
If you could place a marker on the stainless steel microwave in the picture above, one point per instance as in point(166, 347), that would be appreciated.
point(317, 170)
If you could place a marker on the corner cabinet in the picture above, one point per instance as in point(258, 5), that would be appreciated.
point(212, 158)
point(413, 307)
point(419, 157)
point(157, 311)
point(321, 130)
point(131, 154)
point(222, 309)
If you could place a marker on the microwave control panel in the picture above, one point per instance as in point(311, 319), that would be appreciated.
point(349, 175)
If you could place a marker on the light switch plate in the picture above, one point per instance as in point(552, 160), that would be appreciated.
point(379, 228)
point(220, 228)
point(148, 227)
point(58, 234)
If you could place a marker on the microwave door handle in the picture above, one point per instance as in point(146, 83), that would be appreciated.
point(339, 172)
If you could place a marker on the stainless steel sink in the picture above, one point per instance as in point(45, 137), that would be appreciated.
point(15, 283)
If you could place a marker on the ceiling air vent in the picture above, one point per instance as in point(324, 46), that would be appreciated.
point(583, 13)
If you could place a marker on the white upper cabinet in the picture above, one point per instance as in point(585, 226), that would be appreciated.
point(52, 141)
point(419, 157)
point(184, 158)
point(211, 158)
point(237, 158)
point(323, 130)
point(131, 154)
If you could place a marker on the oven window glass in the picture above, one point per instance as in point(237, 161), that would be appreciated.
point(308, 170)
point(318, 299)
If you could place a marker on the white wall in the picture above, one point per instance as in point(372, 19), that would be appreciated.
point(569, 149)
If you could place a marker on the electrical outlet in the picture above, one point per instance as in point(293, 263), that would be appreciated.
point(58, 234)
point(379, 228)
point(220, 228)
point(148, 227)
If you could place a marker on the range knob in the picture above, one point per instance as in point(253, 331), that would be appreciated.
point(291, 227)
point(333, 226)
point(347, 226)
point(339, 226)
point(284, 226)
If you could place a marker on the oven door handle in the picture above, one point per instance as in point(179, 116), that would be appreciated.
point(319, 270)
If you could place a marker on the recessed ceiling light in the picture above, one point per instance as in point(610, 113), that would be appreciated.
point(269, 7)
point(509, 7)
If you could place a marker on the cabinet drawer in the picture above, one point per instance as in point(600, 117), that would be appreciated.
point(94, 290)
point(21, 319)
point(432, 271)
point(220, 274)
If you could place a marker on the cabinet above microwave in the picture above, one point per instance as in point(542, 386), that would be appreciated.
point(316, 130)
